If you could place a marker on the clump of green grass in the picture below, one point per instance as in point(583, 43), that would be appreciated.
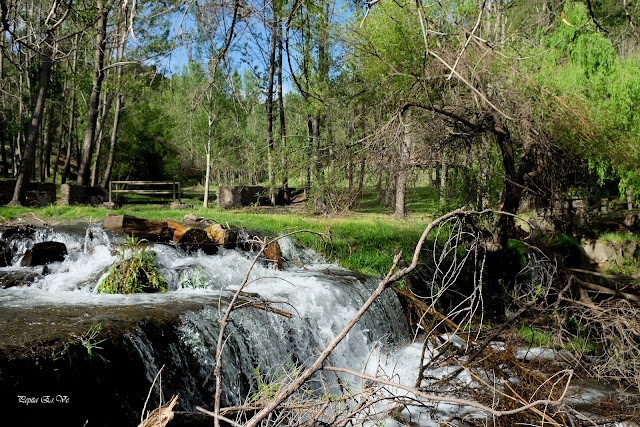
point(619, 237)
point(133, 272)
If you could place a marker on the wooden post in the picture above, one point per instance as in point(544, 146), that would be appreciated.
point(110, 184)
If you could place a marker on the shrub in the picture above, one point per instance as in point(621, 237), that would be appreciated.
point(133, 272)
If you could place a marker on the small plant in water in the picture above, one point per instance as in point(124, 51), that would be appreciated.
point(89, 340)
point(133, 272)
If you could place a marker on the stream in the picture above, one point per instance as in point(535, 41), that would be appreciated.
point(46, 349)
point(70, 354)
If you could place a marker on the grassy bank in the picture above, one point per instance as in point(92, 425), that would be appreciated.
point(361, 242)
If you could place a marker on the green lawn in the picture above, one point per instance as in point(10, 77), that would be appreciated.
point(359, 241)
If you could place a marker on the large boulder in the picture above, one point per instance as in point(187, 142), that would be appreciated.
point(44, 253)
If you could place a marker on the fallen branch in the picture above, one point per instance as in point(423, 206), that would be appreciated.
point(605, 275)
point(603, 289)
point(454, 400)
point(218, 417)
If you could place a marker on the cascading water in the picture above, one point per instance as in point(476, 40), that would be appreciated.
point(177, 329)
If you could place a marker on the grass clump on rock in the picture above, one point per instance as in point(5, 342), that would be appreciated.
point(134, 271)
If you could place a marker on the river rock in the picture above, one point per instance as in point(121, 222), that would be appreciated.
point(194, 220)
point(17, 232)
point(44, 253)
point(273, 255)
point(598, 252)
point(17, 278)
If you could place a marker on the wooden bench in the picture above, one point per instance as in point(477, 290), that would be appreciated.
point(155, 189)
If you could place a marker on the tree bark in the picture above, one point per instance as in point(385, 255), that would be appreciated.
point(54, 174)
point(28, 159)
point(513, 183)
point(283, 127)
point(119, 98)
point(3, 139)
point(98, 77)
point(208, 165)
point(45, 154)
point(403, 165)
point(271, 72)
point(3, 119)
point(444, 174)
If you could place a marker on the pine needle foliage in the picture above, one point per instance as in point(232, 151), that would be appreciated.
point(133, 272)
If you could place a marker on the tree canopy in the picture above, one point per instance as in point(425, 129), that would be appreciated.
point(490, 103)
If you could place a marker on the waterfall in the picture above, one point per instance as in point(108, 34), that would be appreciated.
point(179, 329)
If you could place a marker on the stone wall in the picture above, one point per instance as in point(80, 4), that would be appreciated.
point(237, 196)
point(71, 194)
point(38, 193)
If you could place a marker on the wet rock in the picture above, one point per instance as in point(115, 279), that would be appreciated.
point(273, 255)
point(251, 240)
point(194, 220)
point(16, 232)
point(197, 239)
point(17, 278)
point(44, 253)
point(6, 253)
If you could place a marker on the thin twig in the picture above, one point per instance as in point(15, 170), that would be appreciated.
point(461, 402)
point(144, 408)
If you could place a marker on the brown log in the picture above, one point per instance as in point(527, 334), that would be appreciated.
point(149, 229)
point(222, 236)
point(178, 229)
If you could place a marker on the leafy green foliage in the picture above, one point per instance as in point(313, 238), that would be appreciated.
point(133, 272)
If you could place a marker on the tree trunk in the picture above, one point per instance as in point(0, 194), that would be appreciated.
point(403, 165)
point(72, 115)
point(54, 174)
point(272, 67)
point(513, 184)
point(3, 119)
point(28, 158)
point(208, 165)
point(361, 175)
point(283, 127)
point(119, 98)
point(98, 77)
point(3, 139)
point(444, 175)
point(45, 153)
